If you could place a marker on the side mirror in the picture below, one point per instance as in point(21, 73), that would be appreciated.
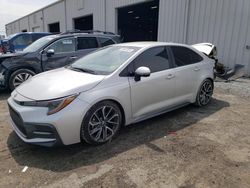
point(142, 72)
point(50, 52)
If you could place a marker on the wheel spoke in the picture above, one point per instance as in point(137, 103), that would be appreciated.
point(109, 129)
point(98, 134)
point(19, 78)
point(93, 124)
point(110, 109)
point(104, 133)
point(95, 115)
point(103, 112)
point(95, 130)
point(115, 115)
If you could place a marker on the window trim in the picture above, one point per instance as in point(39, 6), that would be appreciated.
point(173, 57)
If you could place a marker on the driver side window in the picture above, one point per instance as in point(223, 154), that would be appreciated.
point(63, 45)
point(156, 59)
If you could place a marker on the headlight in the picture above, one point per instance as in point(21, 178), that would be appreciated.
point(53, 106)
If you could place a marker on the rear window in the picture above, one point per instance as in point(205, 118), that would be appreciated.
point(185, 56)
point(86, 43)
point(105, 41)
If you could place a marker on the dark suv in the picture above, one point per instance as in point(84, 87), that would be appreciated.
point(51, 52)
point(19, 41)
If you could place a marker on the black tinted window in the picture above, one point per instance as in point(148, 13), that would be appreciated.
point(184, 56)
point(105, 41)
point(37, 36)
point(86, 43)
point(156, 59)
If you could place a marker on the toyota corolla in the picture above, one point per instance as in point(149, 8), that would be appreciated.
point(118, 85)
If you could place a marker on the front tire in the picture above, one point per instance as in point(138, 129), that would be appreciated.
point(101, 123)
point(205, 93)
point(18, 77)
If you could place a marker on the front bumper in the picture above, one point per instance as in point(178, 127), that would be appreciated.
point(35, 134)
point(3, 84)
point(34, 126)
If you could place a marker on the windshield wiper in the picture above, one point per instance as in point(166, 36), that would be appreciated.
point(82, 70)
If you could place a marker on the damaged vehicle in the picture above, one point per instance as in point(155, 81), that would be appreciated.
point(220, 70)
point(91, 99)
point(50, 52)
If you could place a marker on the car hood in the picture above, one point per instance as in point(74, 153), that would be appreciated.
point(11, 55)
point(58, 83)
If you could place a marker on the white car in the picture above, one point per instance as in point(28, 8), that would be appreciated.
point(115, 86)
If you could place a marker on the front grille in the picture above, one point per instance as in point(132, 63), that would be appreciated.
point(16, 118)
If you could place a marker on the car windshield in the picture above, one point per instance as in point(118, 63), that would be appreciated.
point(11, 36)
point(38, 44)
point(104, 61)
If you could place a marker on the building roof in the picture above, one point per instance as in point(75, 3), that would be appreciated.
point(58, 1)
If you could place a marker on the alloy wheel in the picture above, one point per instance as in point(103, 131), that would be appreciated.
point(206, 93)
point(20, 78)
point(103, 124)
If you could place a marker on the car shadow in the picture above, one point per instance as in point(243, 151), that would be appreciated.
point(70, 157)
point(4, 94)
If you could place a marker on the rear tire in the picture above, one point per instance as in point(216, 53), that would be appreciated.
point(205, 93)
point(101, 123)
point(18, 77)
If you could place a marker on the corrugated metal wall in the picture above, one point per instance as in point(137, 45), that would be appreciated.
point(225, 23)
point(172, 20)
point(90, 7)
point(53, 14)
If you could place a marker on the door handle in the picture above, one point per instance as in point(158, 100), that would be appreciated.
point(197, 69)
point(73, 57)
point(170, 76)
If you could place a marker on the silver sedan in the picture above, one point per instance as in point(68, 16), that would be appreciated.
point(118, 85)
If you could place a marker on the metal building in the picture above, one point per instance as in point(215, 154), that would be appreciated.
point(225, 23)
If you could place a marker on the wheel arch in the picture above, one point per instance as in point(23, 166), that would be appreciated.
point(114, 101)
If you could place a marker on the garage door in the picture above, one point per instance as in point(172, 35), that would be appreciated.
point(139, 22)
point(84, 23)
point(36, 29)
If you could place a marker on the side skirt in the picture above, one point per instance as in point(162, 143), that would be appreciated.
point(148, 116)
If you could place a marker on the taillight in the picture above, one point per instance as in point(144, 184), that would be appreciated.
point(1, 49)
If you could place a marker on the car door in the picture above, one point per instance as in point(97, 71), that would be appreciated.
point(154, 93)
point(85, 45)
point(64, 53)
point(187, 72)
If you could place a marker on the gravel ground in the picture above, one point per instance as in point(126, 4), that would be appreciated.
point(187, 148)
point(240, 87)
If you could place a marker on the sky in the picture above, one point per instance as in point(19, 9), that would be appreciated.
point(11, 10)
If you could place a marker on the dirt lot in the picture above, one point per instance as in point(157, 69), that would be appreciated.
point(188, 148)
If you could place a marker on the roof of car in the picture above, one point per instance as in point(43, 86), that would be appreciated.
point(87, 34)
point(149, 44)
